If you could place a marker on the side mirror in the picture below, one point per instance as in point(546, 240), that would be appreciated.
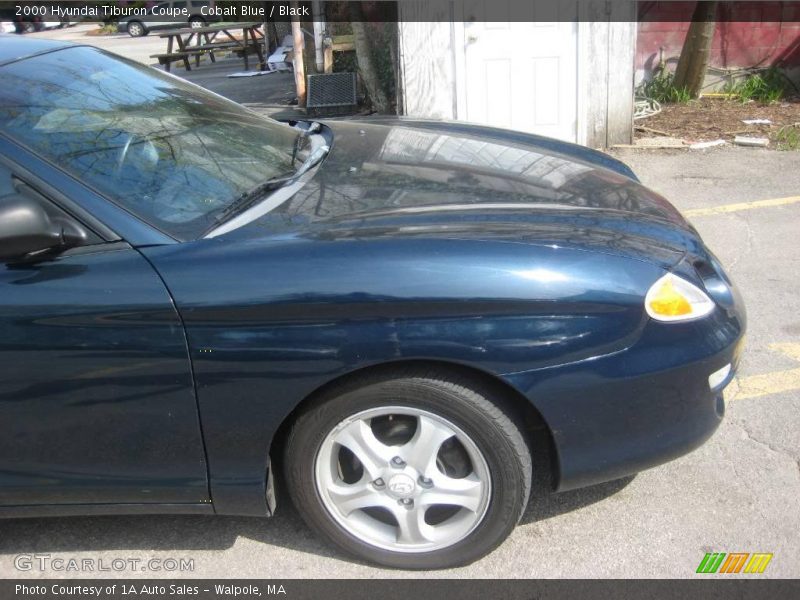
point(26, 230)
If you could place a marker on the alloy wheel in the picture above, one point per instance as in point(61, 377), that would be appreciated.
point(403, 479)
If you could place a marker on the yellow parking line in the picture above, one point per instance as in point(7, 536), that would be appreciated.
point(767, 384)
point(728, 208)
point(755, 386)
point(790, 349)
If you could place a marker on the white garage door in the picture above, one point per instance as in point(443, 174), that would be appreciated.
point(520, 76)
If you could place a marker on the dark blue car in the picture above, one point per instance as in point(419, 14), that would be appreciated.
point(391, 319)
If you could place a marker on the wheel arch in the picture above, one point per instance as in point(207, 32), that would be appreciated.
point(537, 432)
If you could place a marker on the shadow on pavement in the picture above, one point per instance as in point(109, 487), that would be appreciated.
point(546, 507)
point(268, 94)
point(155, 533)
point(187, 533)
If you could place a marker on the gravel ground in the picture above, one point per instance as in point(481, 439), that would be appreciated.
point(710, 119)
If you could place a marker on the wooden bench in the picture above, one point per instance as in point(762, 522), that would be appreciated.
point(212, 47)
point(242, 45)
point(170, 57)
point(167, 58)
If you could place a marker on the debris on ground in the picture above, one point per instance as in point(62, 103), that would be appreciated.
point(710, 119)
point(704, 145)
point(651, 130)
point(281, 59)
point(645, 107)
point(250, 73)
point(743, 140)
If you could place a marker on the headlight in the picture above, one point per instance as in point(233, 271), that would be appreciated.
point(674, 299)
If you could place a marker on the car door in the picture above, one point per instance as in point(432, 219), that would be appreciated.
point(97, 402)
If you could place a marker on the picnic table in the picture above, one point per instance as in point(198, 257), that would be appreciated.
point(196, 41)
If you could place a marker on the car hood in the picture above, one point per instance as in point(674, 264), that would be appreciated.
point(395, 177)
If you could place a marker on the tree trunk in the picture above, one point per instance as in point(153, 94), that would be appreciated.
point(692, 64)
point(298, 51)
point(375, 90)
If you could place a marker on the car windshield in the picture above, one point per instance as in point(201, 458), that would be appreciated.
point(169, 152)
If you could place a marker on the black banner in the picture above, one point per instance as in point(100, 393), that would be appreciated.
point(714, 588)
point(403, 10)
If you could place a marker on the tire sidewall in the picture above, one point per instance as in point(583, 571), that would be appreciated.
point(510, 485)
point(141, 29)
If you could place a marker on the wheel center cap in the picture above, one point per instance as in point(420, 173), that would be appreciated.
point(401, 485)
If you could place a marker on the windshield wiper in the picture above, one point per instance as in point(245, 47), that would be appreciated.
point(253, 196)
point(303, 136)
point(249, 198)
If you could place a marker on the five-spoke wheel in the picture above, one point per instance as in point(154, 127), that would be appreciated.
point(414, 471)
point(403, 479)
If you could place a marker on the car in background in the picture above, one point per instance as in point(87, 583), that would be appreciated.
point(137, 26)
point(12, 23)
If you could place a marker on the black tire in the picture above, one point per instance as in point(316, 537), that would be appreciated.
point(196, 22)
point(136, 29)
point(464, 401)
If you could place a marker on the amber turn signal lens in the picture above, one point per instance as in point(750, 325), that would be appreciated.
point(674, 299)
point(668, 302)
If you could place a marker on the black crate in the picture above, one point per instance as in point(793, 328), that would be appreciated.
point(332, 92)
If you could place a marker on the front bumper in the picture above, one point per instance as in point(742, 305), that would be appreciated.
point(622, 413)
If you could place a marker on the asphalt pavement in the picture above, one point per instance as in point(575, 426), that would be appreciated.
point(138, 49)
point(740, 492)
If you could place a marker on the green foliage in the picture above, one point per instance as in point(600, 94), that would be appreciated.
point(788, 137)
point(767, 86)
point(661, 87)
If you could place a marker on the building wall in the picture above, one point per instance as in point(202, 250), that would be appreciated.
point(427, 70)
point(606, 45)
point(748, 34)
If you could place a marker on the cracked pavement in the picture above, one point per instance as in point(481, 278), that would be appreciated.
point(740, 492)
